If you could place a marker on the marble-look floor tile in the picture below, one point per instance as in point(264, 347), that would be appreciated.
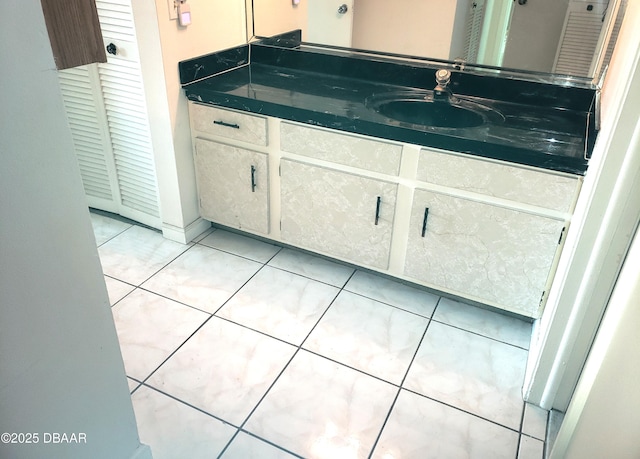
point(530, 448)
point(280, 304)
point(150, 328)
point(534, 422)
point(368, 335)
point(175, 430)
point(137, 254)
point(484, 322)
point(105, 228)
point(117, 289)
point(203, 277)
point(238, 244)
point(246, 446)
point(420, 428)
point(395, 293)
point(321, 409)
point(224, 369)
point(470, 372)
point(307, 265)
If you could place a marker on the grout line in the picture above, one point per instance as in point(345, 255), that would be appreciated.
point(174, 300)
point(202, 325)
point(189, 247)
point(149, 386)
point(524, 406)
point(300, 347)
point(238, 255)
point(423, 316)
point(393, 404)
point(462, 410)
point(271, 443)
point(480, 334)
point(112, 237)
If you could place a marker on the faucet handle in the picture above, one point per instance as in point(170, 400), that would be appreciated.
point(443, 77)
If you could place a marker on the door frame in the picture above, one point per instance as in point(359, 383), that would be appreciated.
point(607, 213)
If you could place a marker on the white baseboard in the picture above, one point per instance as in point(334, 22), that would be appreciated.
point(185, 235)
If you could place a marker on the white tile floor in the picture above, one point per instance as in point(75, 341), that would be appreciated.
point(235, 348)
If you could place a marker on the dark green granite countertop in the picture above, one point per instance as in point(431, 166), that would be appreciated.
point(545, 125)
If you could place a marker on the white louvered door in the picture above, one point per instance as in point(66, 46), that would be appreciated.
point(473, 30)
point(580, 37)
point(110, 125)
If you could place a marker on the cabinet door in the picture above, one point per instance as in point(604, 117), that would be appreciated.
point(496, 255)
point(233, 186)
point(337, 213)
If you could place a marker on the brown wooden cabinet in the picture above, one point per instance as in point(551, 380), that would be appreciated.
point(74, 32)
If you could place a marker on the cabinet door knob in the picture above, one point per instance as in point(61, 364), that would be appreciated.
point(253, 179)
point(378, 201)
point(111, 49)
point(343, 8)
point(424, 221)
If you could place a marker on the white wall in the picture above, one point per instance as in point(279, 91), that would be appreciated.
point(61, 370)
point(603, 419)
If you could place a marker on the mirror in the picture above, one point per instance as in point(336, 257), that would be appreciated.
point(568, 37)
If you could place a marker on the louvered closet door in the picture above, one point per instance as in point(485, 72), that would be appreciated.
point(473, 30)
point(120, 161)
point(87, 119)
point(580, 36)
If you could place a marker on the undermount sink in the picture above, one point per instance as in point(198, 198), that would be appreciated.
point(420, 108)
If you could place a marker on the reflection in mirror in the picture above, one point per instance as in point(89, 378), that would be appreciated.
point(570, 37)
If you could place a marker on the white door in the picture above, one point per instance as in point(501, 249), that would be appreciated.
point(233, 185)
point(329, 22)
point(336, 213)
point(109, 122)
point(477, 249)
point(534, 34)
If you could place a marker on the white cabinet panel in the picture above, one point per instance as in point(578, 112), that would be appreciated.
point(369, 154)
point(344, 215)
point(233, 185)
point(543, 189)
point(497, 255)
point(228, 123)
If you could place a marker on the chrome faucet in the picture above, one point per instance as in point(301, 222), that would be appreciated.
point(442, 91)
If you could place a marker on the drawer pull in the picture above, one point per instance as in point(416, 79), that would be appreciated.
point(424, 221)
point(253, 179)
point(222, 123)
point(379, 200)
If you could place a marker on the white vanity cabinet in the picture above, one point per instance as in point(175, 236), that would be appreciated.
point(488, 253)
point(483, 230)
point(340, 214)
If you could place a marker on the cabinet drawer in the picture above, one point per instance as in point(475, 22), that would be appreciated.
point(538, 188)
point(371, 155)
point(229, 124)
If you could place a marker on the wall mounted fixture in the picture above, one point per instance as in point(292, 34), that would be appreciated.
point(184, 13)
